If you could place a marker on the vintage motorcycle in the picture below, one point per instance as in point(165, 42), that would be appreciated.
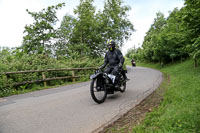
point(133, 63)
point(102, 84)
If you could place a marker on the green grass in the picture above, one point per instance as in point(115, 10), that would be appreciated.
point(179, 112)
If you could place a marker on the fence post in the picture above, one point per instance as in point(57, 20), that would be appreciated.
point(73, 74)
point(44, 77)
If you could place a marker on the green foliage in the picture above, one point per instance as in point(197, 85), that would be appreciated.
point(14, 60)
point(78, 42)
point(191, 21)
point(153, 41)
point(173, 38)
point(196, 51)
point(39, 35)
point(130, 53)
point(65, 33)
point(84, 35)
point(179, 111)
point(135, 53)
point(115, 23)
point(88, 33)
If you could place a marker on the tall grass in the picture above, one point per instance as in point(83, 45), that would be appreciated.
point(180, 110)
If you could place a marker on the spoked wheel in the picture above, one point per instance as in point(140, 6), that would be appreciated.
point(123, 87)
point(98, 94)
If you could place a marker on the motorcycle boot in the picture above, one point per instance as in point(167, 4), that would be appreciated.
point(117, 84)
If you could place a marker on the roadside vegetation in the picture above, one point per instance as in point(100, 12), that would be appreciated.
point(12, 61)
point(179, 110)
point(173, 107)
point(172, 46)
point(173, 38)
point(78, 42)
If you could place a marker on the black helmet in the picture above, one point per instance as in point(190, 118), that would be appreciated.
point(111, 45)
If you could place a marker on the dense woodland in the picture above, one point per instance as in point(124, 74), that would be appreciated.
point(174, 38)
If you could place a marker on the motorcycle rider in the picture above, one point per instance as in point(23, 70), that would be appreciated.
point(115, 60)
point(133, 62)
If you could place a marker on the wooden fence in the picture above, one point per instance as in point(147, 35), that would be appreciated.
point(44, 78)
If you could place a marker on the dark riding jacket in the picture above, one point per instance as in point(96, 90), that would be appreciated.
point(113, 58)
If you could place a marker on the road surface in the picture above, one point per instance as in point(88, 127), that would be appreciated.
point(70, 109)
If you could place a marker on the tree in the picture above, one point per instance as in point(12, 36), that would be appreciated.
point(82, 32)
point(191, 21)
point(65, 34)
point(153, 44)
point(131, 53)
point(41, 34)
point(115, 22)
point(91, 31)
point(174, 36)
point(166, 39)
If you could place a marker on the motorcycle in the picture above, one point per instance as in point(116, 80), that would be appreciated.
point(133, 63)
point(102, 84)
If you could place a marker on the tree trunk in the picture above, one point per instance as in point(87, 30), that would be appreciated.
point(195, 63)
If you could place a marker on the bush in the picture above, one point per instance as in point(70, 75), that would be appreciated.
point(14, 60)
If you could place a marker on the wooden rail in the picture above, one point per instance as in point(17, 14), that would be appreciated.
point(47, 70)
point(48, 79)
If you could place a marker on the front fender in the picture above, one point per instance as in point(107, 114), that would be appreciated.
point(112, 77)
point(93, 76)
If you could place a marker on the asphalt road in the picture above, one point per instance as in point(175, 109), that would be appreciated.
point(70, 109)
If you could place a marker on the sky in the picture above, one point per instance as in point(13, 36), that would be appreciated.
point(14, 17)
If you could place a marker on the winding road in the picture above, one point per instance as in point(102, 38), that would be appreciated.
point(70, 109)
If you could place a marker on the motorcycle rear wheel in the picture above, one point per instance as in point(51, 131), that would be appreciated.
point(99, 96)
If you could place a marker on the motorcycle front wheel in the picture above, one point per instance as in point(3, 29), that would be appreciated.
point(123, 87)
point(98, 94)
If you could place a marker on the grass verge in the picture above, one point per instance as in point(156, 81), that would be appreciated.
point(179, 109)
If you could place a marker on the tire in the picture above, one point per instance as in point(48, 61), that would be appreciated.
point(123, 87)
point(96, 93)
